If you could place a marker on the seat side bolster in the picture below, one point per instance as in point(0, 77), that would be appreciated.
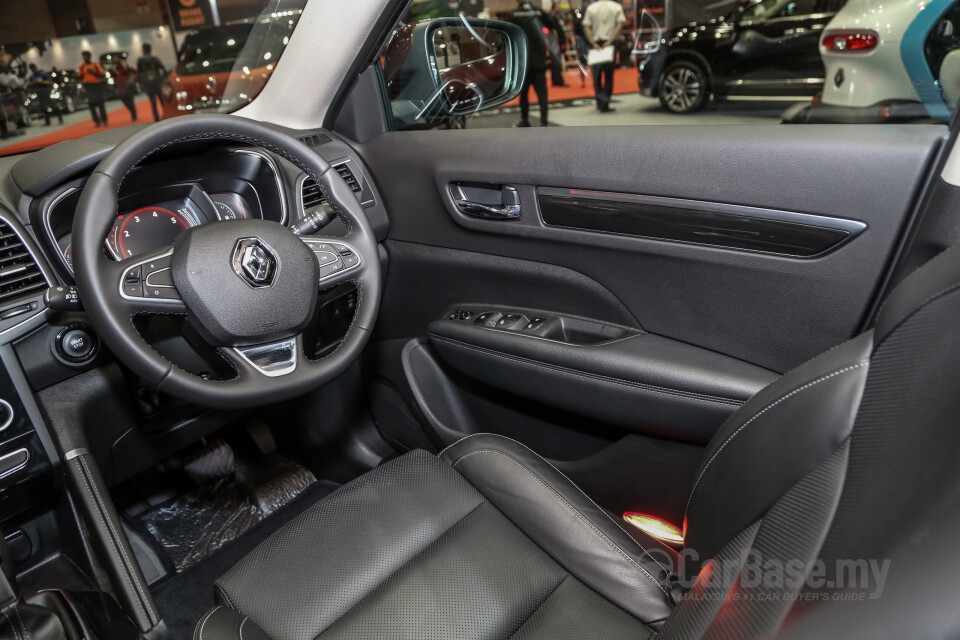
point(591, 545)
point(224, 623)
point(774, 440)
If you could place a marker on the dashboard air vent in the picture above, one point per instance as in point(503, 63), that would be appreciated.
point(311, 193)
point(315, 139)
point(20, 274)
point(348, 177)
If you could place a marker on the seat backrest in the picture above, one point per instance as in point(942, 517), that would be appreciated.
point(775, 439)
point(831, 466)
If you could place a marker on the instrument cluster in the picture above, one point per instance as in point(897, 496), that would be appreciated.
point(232, 186)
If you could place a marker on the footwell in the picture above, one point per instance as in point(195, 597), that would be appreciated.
point(199, 523)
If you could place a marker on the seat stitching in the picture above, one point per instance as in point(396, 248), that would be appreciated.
point(23, 627)
point(226, 596)
point(575, 486)
point(13, 625)
point(243, 622)
point(671, 391)
point(199, 633)
point(569, 506)
point(760, 413)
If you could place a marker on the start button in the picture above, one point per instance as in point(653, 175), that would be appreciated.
point(76, 343)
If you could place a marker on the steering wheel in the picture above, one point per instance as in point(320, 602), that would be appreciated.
point(249, 287)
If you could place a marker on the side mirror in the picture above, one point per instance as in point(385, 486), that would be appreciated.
point(447, 68)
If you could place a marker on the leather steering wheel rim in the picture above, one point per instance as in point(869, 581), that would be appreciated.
point(112, 314)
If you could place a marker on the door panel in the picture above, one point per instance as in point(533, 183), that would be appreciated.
point(714, 317)
point(767, 310)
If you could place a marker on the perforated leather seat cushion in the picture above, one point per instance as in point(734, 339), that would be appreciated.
point(412, 550)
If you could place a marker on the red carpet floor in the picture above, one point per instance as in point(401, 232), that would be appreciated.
point(118, 116)
point(624, 81)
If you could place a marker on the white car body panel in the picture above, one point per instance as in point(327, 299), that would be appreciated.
point(877, 75)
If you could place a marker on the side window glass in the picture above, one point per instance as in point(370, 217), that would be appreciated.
point(753, 62)
point(759, 10)
point(942, 53)
point(799, 8)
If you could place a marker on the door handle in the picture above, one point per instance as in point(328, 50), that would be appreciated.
point(487, 201)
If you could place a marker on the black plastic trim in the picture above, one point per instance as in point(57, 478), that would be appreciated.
point(786, 233)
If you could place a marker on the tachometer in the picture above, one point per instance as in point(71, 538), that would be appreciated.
point(224, 212)
point(146, 229)
point(230, 206)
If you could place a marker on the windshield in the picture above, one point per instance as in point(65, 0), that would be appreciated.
point(72, 75)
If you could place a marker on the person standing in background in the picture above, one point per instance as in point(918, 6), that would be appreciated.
point(557, 44)
point(92, 75)
point(533, 21)
point(42, 84)
point(580, 42)
point(126, 88)
point(151, 73)
point(602, 22)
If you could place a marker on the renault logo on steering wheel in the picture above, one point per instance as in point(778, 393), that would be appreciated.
point(255, 262)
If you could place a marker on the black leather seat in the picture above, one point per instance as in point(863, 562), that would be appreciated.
point(844, 456)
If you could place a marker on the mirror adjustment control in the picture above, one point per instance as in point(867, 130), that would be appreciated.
point(461, 314)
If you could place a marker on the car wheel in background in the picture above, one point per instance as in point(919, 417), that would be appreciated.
point(683, 88)
point(68, 105)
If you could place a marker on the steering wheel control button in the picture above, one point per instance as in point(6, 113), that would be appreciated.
point(330, 269)
point(159, 278)
point(325, 257)
point(13, 462)
point(160, 292)
point(151, 280)
point(132, 284)
point(6, 415)
point(76, 343)
point(332, 257)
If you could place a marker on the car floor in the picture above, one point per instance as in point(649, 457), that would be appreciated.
point(192, 520)
point(185, 597)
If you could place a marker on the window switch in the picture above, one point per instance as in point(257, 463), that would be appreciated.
point(484, 318)
point(510, 321)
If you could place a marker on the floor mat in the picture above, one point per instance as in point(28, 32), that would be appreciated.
point(184, 598)
point(197, 524)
